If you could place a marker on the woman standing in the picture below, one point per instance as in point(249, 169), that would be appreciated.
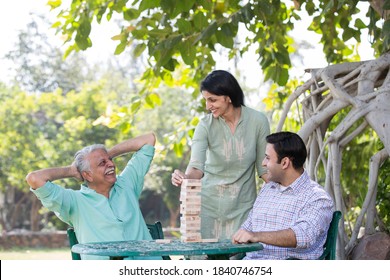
point(228, 146)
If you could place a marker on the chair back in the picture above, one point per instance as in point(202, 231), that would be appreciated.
point(331, 238)
point(155, 231)
point(73, 241)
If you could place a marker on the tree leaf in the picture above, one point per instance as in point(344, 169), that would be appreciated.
point(153, 99)
point(188, 51)
point(184, 25)
point(139, 49)
point(120, 48)
point(149, 4)
point(360, 24)
point(82, 42)
point(207, 33)
point(135, 106)
point(85, 26)
point(54, 3)
point(224, 40)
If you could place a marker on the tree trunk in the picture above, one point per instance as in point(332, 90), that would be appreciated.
point(34, 214)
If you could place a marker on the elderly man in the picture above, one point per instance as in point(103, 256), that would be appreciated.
point(292, 213)
point(106, 208)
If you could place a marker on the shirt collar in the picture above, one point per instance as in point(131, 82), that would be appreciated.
point(300, 182)
point(85, 189)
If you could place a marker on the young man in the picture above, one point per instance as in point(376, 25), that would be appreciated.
point(106, 207)
point(292, 213)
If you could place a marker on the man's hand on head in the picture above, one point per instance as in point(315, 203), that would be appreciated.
point(76, 174)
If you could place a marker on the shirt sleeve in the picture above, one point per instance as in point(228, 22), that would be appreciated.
point(247, 225)
point(136, 169)
point(56, 199)
point(264, 131)
point(314, 220)
point(199, 147)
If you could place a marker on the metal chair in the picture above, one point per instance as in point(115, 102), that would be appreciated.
point(331, 238)
point(72, 241)
point(155, 231)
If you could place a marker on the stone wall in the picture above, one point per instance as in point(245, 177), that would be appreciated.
point(55, 239)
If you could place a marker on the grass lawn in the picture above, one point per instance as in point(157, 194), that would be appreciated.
point(35, 254)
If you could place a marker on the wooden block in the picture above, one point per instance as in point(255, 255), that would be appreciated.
point(195, 223)
point(189, 218)
point(191, 239)
point(191, 234)
point(189, 229)
point(210, 240)
point(163, 241)
point(190, 191)
point(190, 212)
point(191, 207)
point(191, 199)
point(191, 182)
point(190, 224)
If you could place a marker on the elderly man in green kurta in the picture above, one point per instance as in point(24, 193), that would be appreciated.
point(228, 148)
point(106, 207)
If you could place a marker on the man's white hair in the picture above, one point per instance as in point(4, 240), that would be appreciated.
point(82, 163)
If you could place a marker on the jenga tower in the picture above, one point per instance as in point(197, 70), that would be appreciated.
point(190, 210)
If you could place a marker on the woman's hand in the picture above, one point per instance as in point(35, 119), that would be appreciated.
point(177, 178)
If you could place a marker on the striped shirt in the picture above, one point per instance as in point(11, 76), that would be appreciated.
point(303, 206)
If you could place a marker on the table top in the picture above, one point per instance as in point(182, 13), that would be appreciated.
point(161, 248)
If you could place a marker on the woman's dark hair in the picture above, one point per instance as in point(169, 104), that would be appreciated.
point(220, 82)
point(289, 144)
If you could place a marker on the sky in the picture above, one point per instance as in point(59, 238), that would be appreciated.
point(14, 15)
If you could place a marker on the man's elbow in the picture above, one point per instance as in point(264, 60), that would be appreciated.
point(33, 180)
point(151, 139)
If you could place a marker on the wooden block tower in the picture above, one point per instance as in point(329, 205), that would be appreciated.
point(190, 206)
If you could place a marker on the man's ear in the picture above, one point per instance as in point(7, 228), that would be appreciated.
point(285, 162)
point(87, 175)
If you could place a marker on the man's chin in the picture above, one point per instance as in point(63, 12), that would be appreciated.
point(112, 179)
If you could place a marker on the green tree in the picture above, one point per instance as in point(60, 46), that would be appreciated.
point(44, 130)
point(181, 38)
point(38, 64)
point(175, 32)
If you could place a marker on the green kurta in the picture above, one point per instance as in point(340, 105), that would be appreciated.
point(228, 162)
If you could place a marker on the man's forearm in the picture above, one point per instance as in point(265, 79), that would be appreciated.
point(38, 178)
point(132, 145)
point(193, 173)
point(281, 238)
